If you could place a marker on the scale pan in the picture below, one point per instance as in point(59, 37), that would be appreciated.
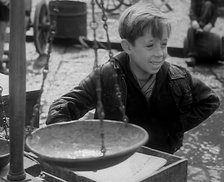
point(77, 144)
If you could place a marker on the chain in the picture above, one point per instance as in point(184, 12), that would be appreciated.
point(100, 111)
point(45, 71)
point(94, 25)
point(36, 107)
point(5, 124)
point(118, 93)
point(115, 66)
point(105, 26)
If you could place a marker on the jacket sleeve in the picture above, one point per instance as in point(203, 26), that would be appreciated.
point(204, 103)
point(74, 104)
point(192, 13)
point(214, 17)
point(195, 7)
point(215, 14)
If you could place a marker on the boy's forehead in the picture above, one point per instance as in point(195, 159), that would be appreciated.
point(147, 34)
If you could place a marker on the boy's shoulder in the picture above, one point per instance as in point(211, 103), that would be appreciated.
point(177, 72)
point(116, 62)
point(180, 81)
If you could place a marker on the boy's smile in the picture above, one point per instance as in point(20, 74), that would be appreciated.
point(148, 54)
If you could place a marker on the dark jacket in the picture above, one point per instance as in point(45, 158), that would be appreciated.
point(178, 102)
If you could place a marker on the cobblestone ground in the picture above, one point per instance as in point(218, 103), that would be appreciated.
point(70, 63)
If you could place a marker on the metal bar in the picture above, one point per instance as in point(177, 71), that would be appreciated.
point(50, 177)
point(17, 89)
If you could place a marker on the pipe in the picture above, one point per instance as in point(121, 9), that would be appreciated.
point(17, 90)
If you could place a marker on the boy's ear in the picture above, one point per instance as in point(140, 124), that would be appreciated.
point(126, 46)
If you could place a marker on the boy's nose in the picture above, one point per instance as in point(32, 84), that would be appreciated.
point(159, 52)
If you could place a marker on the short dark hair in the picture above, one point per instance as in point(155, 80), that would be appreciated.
point(140, 17)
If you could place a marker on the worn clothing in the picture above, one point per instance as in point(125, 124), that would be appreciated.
point(206, 47)
point(204, 11)
point(147, 85)
point(4, 12)
point(178, 102)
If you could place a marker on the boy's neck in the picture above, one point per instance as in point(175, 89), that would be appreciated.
point(138, 73)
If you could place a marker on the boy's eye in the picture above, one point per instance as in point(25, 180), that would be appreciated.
point(164, 44)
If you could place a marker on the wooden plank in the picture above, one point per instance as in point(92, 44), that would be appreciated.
point(136, 168)
point(175, 169)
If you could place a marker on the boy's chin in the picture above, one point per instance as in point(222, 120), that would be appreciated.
point(154, 70)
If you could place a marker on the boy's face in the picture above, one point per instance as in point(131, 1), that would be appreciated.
point(148, 54)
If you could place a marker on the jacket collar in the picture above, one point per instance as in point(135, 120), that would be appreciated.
point(162, 75)
point(123, 60)
point(176, 73)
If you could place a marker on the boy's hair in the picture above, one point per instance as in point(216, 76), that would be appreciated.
point(140, 17)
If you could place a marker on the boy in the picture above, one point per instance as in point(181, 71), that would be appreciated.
point(203, 17)
point(162, 98)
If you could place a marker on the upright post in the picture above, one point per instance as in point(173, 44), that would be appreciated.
point(17, 89)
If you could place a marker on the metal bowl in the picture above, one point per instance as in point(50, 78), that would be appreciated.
point(76, 144)
point(4, 153)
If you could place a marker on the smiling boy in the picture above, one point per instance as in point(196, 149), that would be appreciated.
point(158, 96)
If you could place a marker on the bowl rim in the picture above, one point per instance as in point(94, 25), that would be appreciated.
point(128, 150)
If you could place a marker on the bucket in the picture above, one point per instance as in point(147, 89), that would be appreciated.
point(208, 46)
point(71, 18)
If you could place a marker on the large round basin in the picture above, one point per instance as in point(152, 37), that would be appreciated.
point(77, 144)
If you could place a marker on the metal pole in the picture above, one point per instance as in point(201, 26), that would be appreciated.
point(17, 89)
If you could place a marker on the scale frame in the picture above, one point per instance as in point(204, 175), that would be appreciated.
point(175, 170)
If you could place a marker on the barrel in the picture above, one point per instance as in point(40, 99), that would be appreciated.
point(208, 46)
point(71, 18)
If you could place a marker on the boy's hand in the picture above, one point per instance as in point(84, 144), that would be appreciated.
point(195, 25)
point(207, 27)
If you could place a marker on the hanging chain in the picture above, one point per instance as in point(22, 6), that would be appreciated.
point(105, 26)
point(45, 71)
point(118, 93)
point(100, 111)
point(115, 66)
point(5, 124)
